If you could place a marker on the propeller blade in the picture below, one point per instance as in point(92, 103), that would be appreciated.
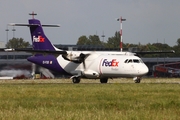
point(84, 64)
point(82, 59)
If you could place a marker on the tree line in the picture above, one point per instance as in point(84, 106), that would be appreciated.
point(112, 42)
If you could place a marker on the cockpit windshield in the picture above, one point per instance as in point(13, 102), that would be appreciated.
point(133, 61)
point(136, 61)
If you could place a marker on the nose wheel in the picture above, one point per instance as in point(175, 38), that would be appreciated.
point(137, 79)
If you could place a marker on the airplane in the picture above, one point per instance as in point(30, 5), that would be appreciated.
point(81, 64)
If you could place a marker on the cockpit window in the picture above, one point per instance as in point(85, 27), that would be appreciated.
point(130, 61)
point(133, 61)
point(141, 61)
point(136, 61)
point(126, 61)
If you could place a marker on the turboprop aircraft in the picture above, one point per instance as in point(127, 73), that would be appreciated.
point(81, 64)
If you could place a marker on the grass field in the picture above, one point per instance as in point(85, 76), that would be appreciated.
point(121, 100)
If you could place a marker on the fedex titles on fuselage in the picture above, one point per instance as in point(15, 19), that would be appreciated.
point(38, 39)
point(110, 63)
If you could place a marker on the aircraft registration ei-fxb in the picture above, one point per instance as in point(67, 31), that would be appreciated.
point(81, 64)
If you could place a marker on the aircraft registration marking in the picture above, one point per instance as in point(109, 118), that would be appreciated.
point(46, 62)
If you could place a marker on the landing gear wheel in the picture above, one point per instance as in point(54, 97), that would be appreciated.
point(104, 80)
point(76, 79)
point(138, 80)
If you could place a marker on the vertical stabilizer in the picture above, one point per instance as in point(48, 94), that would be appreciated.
point(39, 39)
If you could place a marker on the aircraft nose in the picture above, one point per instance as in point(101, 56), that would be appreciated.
point(145, 70)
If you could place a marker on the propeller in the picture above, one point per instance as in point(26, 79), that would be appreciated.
point(79, 59)
point(82, 59)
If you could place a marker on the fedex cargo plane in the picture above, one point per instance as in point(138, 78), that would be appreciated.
point(81, 64)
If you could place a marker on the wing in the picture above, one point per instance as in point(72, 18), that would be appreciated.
point(36, 51)
point(79, 59)
point(152, 52)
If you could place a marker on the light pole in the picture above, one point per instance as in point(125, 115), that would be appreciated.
point(13, 32)
point(7, 30)
point(121, 39)
point(7, 33)
point(103, 36)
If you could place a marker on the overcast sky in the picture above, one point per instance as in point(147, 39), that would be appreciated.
point(147, 21)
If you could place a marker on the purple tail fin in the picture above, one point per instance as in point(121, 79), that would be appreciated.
point(39, 39)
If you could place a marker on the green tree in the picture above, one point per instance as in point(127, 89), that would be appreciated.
point(113, 42)
point(178, 42)
point(176, 48)
point(83, 40)
point(17, 43)
point(161, 46)
point(94, 40)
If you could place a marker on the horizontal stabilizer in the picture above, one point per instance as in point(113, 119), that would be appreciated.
point(51, 25)
point(15, 24)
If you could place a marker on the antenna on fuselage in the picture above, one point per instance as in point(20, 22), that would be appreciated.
point(33, 14)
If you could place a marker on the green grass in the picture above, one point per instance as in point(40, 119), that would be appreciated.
point(118, 101)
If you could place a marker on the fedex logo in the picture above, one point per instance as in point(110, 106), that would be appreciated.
point(112, 63)
point(38, 39)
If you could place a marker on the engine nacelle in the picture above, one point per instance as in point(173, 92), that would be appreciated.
point(91, 74)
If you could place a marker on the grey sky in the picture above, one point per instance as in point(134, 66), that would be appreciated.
point(148, 21)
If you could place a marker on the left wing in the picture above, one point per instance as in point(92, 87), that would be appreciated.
point(36, 51)
point(79, 59)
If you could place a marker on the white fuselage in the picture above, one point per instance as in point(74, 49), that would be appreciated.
point(105, 64)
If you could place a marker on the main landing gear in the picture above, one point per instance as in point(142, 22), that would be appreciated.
point(104, 80)
point(76, 79)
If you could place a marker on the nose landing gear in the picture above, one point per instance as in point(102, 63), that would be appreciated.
point(137, 79)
